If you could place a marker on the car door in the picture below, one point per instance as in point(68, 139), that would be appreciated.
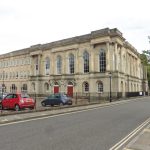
point(7, 100)
point(13, 100)
point(57, 99)
point(53, 100)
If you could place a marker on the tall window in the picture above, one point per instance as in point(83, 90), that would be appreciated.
point(85, 87)
point(47, 66)
point(100, 86)
point(71, 63)
point(17, 75)
point(13, 88)
point(24, 88)
point(59, 65)
point(10, 75)
point(102, 61)
point(36, 65)
point(86, 62)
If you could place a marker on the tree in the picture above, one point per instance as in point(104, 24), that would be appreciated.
point(144, 59)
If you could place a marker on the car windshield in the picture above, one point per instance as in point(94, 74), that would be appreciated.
point(25, 96)
point(51, 96)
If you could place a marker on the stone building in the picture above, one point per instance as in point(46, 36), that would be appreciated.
point(97, 63)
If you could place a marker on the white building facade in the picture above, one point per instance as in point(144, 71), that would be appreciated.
point(81, 64)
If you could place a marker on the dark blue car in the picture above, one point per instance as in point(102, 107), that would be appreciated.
point(57, 99)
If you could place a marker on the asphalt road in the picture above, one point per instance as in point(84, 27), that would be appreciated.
point(97, 129)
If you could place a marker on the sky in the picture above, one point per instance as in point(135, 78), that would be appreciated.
point(24, 23)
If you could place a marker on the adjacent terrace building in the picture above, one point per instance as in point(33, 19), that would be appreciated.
point(89, 63)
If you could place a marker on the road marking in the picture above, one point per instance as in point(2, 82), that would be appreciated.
point(64, 113)
point(129, 136)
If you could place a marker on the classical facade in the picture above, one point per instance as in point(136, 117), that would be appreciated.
point(87, 63)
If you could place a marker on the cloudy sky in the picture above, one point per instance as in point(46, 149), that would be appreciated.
point(29, 22)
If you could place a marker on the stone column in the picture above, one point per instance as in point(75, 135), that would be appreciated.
point(121, 60)
point(63, 59)
point(39, 65)
point(116, 57)
point(53, 64)
point(91, 59)
point(77, 59)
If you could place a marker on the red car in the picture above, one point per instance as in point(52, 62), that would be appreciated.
point(17, 102)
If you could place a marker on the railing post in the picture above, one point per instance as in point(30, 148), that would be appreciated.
point(35, 100)
point(76, 99)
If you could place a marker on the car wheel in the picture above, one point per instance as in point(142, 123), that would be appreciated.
point(31, 108)
point(43, 104)
point(17, 108)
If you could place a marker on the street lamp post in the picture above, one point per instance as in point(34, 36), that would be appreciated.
point(110, 96)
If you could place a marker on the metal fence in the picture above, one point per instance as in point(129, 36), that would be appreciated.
point(80, 98)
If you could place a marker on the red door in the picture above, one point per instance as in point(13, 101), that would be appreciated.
point(70, 91)
point(56, 89)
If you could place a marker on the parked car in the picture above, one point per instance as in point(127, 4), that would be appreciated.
point(57, 99)
point(17, 102)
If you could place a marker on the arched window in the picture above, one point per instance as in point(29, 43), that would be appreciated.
point(47, 66)
point(85, 87)
point(100, 86)
point(102, 61)
point(59, 65)
point(71, 63)
point(86, 62)
point(46, 86)
point(33, 86)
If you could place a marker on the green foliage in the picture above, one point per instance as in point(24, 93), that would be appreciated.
point(144, 61)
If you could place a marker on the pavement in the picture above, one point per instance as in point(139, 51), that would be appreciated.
point(141, 141)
